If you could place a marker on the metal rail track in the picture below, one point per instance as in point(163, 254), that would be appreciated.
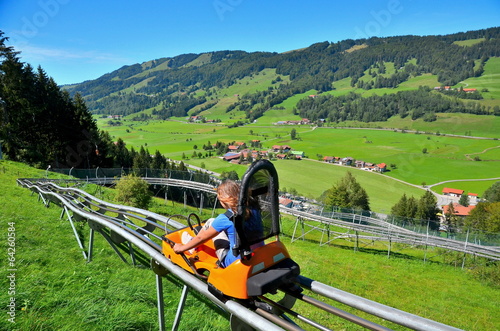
point(384, 231)
point(361, 227)
point(143, 229)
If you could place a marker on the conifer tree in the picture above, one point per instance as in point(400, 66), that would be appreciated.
point(347, 193)
point(39, 123)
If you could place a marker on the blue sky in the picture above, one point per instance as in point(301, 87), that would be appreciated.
point(75, 40)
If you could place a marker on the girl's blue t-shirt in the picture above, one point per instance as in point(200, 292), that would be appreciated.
point(223, 223)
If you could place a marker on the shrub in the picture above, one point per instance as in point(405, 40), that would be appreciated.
point(133, 191)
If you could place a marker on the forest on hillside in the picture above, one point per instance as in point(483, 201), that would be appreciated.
point(421, 103)
point(43, 126)
point(173, 85)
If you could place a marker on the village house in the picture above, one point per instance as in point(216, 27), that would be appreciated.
point(286, 202)
point(473, 198)
point(359, 164)
point(448, 88)
point(231, 156)
point(281, 148)
point(328, 159)
point(294, 122)
point(298, 154)
point(347, 161)
point(452, 192)
point(459, 210)
point(381, 167)
point(195, 118)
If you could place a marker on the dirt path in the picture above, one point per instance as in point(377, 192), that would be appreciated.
point(487, 149)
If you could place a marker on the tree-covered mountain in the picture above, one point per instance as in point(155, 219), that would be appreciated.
point(189, 83)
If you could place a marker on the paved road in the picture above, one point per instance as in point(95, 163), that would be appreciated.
point(442, 199)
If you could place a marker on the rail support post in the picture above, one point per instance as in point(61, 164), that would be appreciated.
point(91, 246)
point(180, 307)
point(161, 306)
point(77, 237)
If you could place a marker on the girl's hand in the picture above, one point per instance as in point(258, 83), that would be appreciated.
point(178, 248)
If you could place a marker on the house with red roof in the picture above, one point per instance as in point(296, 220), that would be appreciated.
point(282, 148)
point(286, 202)
point(381, 167)
point(452, 192)
point(231, 156)
point(473, 197)
point(459, 210)
point(276, 148)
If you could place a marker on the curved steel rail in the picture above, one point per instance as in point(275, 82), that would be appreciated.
point(368, 228)
point(84, 206)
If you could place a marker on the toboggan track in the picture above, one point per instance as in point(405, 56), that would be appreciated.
point(118, 224)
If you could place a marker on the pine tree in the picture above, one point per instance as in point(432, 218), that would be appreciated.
point(399, 209)
point(348, 193)
point(464, 200)
point(40, 124)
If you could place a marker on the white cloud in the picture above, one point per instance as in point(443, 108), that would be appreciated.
point(51, 54)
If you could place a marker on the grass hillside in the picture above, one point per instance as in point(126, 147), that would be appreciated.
point(488, 81)
point(55, 289)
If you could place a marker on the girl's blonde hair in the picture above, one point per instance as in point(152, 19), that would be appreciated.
point(228, 192)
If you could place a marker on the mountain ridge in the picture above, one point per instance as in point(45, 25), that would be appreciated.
point(175, 86)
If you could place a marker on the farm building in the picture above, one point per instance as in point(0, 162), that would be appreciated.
point(452, 192)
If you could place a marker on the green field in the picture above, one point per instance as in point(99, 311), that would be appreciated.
point(57, 290)
point(311, 178)
point(446, 157)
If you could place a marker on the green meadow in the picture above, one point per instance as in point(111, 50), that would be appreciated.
point(445, 158)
